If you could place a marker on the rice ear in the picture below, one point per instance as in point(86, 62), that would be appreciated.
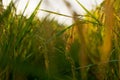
point(106, 47)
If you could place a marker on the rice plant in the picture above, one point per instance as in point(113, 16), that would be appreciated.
point(43, 49)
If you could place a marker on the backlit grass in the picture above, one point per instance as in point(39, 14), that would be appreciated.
point(42, 49)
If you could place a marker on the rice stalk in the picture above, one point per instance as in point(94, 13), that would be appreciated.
point(69, 43)
point(107, 38)
point(83, 59)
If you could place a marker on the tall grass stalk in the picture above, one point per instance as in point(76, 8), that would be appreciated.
point(79, 31)
point(107, 38)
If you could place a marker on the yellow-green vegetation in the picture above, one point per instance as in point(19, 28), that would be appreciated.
point(43, 49)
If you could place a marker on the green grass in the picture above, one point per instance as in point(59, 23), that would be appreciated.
point(43, 49)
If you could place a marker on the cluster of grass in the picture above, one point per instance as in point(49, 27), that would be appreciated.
point(43, 49)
